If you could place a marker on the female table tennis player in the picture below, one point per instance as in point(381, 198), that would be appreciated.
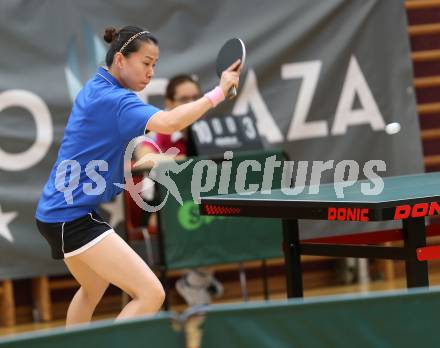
point(105, 116)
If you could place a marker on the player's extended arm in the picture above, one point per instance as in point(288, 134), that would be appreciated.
point(167, 122)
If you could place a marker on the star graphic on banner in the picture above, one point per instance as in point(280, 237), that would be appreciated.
point(5, 220)
point(116, 210)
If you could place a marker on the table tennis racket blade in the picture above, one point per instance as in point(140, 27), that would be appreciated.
point(230, 52)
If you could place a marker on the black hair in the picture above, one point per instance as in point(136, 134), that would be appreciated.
point(176, 81)
point(118, 38)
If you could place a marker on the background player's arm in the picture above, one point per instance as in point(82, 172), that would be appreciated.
point(153, 157)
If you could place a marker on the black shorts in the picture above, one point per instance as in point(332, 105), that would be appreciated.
point(71, 238)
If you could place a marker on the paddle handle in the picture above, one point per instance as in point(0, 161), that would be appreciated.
point(232, 92)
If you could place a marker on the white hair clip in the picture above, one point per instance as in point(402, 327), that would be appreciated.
point(132, 38)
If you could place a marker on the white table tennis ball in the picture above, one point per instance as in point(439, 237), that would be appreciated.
point(392, 128)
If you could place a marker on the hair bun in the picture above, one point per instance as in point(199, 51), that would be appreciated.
point(110, 34)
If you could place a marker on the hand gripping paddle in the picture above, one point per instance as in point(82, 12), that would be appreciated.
point(232, 50)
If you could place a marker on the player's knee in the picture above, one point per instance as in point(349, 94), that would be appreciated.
point(157, 295)
point(152, 297)
point(160, 296)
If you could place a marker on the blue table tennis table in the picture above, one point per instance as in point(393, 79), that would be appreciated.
point(409, 198)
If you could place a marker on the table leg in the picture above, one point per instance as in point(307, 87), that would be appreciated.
point(292, 258)
point(414, 237)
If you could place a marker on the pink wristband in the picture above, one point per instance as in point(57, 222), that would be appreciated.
point(216, 96)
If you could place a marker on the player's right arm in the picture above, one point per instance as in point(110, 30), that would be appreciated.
point(170, 121)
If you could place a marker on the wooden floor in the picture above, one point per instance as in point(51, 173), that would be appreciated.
point(194, 334)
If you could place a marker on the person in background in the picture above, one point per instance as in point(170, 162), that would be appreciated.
point(196, 286)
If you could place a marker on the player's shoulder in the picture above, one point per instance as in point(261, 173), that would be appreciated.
point(118, 96)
